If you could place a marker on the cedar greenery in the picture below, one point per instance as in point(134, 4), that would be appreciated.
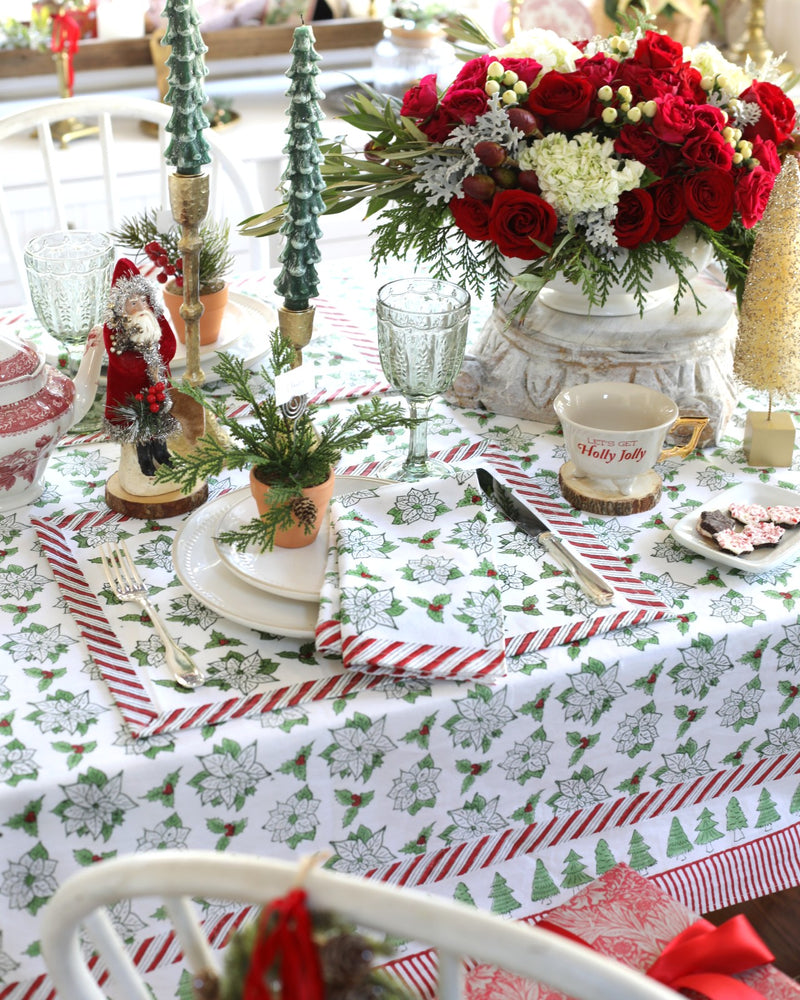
point(287, 453)
point(216, 259)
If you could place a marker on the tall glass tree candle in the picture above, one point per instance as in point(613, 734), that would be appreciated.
point(302, 182)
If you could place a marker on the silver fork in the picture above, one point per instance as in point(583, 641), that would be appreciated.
point(127, 584)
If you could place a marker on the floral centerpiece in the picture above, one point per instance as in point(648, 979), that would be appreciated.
point(583, 159)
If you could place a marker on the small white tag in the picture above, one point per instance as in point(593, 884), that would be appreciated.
point(165, 220)
point(297, 382)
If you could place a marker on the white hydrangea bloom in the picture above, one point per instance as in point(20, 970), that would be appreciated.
point(543, 45)
point(580, 174)
point(709, 61)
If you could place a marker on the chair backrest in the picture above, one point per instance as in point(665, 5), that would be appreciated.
point(178, 876)
point(96, 181)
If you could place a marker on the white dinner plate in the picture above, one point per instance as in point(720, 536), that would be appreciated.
point(761, 559)
point(293, 573)
point(246, 325)
point(200, 569)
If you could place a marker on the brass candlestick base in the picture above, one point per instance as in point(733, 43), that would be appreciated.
point(68, 129)
point(296, 325)
point(753, 42)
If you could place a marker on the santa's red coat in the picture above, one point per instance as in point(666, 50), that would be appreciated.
point(127, 372)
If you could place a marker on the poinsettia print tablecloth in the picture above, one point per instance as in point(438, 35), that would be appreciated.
point(672, 744)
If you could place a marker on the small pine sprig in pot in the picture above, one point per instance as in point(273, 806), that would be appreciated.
point(143, 235)
point(286, 452)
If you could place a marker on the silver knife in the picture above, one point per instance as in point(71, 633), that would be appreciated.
point(516, 510)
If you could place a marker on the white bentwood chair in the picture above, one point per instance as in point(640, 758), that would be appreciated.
point(175, 876)
point(129, 172)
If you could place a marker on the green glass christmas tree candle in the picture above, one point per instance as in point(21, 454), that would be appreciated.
point(302, 178)
point(188, 149)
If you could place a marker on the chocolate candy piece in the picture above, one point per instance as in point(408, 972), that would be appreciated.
point(734, 542)
point(711, 522)
point(789, 517)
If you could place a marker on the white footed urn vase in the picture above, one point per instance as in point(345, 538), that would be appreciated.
point(519, 364)
point(38, 404)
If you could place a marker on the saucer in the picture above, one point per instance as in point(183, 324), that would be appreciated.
point(295, 574)
point(200, 569)
point(246, 324)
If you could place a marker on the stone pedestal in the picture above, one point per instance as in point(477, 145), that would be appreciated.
point(518, 367)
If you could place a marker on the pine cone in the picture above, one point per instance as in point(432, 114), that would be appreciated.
point(345, 961)
point(305, 511)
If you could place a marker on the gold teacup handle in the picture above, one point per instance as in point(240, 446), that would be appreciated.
point(682, 450)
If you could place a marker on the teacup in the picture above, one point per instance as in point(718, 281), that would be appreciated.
point(614, 432)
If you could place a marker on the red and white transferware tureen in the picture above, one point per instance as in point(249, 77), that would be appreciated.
point(37, 405)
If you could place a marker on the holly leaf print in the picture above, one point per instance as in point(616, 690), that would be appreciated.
point(789, 691)
point(687, 716)
point(434, 608)
point(753, 657)
point(581, 744)
point(527, 814)
point(165, 792)
point(426, 541)
point(535, 707)
point(28, 818)
point(354, 801)
point(298, 764)
point(648, 682)
point(528, 606)
point(471, 771)
point(788, 649)
point(420, 844)
point(422, 735)
point(788, 598)
point(75, 751)
point(632, 785)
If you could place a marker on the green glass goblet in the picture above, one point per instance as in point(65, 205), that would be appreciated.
point(422, 333)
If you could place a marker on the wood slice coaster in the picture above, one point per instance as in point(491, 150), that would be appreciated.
point(153, 508)
point(586, 495)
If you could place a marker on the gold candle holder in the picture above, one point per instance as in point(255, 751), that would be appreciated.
point(296, 326)
point(67, 129)
point(513, 27)
point(188, 197)
point(753, 41)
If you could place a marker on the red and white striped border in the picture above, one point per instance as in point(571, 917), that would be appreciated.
point(747, 871)
point(122, 677)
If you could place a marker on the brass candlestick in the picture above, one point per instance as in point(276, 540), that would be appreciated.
point(188, 197)
point(753, 42)
point(513, 27)
point(296, 325)
point(67, 129)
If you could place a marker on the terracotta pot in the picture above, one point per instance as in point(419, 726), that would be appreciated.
point(296, 537)
point(210, 322)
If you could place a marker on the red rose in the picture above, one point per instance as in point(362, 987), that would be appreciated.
point(562, 100)
point(526, 69)
point(753, 189)
point(638, 142)
point(707, 118)
point(471, 216)
point(598, 70)
point(421, 101)
point(709, 150)
point(674, 118)
point(516, 218)
point(644, 85)
point(669, 204)
point(659, 51)
point(765, 151)
point(777, 112)
point(464, 105)
point(710, 197)
point(472, 74)
point(439, 126)
point(636, 221)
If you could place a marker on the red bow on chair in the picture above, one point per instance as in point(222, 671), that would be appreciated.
point(285, 951)
point(704, 958)
point(66, 38)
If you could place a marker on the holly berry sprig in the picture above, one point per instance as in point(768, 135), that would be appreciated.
point(159, 255)
point(154, 396)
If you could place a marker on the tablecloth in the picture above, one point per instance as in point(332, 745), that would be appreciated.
point(672, 744)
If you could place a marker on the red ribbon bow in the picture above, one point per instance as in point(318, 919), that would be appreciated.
point(66, 38)
point(704, 958)
point(286, 952)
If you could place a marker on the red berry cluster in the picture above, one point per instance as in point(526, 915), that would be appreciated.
point(154, 396)
point(158, 255)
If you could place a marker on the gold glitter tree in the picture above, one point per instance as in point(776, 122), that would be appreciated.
point(768, 349)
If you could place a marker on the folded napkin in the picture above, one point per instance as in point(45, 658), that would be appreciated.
point(410, 583)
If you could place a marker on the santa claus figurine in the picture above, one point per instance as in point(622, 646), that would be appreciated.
point(140, 344)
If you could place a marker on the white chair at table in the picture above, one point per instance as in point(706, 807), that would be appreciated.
point(233, 193)
point(175, 876)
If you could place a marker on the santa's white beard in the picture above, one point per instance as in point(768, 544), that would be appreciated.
point(143, 329)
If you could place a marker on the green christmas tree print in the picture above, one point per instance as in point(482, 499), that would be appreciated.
point(735, 818)
point(639, 852)
point(603, 858)
point(543, 885)
point(463, 895)
point(575, 872)
point(767, 810)
point(794, 805)
point(678, 844)
point(188, 149)
point(501, 896)
point(298, 282)
point(706, 829)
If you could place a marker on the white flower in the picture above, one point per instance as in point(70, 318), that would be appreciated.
point(59, 714)
point(473, 823)
point(486, 613)
point(418, 505)
point(15, 762)
point(708, 59)
point(415, 785)
point(355, 749)
point(543, 45)
point(28, 879)
point(479, 720)
point(296, 815)
point(366, 608)
point(740, 706)
point(226, 777)
point(682, 766)
point(434, 568)
point(93, 806)
point(580, 791)
point(527, 757)
point(637, 730)
point(581, 174)
point(357, 856)
point(359, 543)
point(164, 835)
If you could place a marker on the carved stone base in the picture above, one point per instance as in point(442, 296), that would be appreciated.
point(584, 494)
point(153, 507)
point(518, 367)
